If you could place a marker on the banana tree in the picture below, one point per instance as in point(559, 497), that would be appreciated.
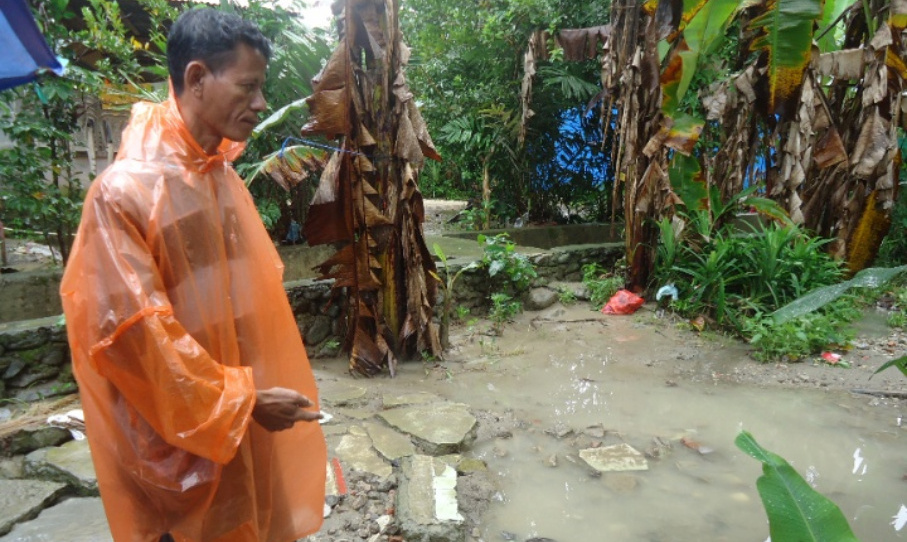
point(818, 130)
point(367, 202)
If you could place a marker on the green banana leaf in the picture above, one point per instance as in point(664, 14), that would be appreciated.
point(278, 116)
point(796, 512)
point(872, 277)
point(830, 13)
point(688, 182)
point(900, 363)
point(702, 34)
point(785, 34)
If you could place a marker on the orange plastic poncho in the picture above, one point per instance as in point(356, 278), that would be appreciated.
point(176, 313)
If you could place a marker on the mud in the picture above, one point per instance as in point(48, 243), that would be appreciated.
point(569, 378)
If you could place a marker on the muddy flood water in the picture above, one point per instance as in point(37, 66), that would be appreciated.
point(568, 378)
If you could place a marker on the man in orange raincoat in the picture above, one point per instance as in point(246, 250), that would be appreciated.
point(191, 369)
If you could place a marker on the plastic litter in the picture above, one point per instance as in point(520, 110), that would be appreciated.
point(623, 302)
point(667, 290)
point(73, 421)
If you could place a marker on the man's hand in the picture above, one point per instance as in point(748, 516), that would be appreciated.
point(277, 409)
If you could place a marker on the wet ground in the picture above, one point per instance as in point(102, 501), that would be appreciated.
point(568, 379)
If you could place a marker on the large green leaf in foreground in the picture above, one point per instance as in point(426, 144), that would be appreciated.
point(874, 277)
point(796, 512)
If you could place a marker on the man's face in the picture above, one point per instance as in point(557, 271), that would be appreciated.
point(233, 97)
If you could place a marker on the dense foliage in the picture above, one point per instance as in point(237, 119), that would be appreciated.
point(466, 71)
point(43, 186)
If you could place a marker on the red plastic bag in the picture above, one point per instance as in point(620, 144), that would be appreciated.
point(623, 302)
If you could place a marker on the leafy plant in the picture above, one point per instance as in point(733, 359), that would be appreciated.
point(601, 283)
point(566, 296)
point(504, 263)
point(799, 337)
point(897, 318)
point(796, 512)
point(461, 312)
point(503, 310)
point(447, 285)
point(269, 211)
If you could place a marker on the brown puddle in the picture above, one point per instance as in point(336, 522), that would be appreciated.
point(623, 379)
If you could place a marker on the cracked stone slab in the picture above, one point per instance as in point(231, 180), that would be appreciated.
point(438, 428)
point(70, 464)
point(620, 457)
point(73, 520)
point(341, 394)
point(21, 500)
point(389, 443)
point(427, 501)
point(356, 452)
point(418, 398)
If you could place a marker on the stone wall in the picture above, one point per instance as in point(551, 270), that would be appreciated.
point(34, 355)
point(29, 294)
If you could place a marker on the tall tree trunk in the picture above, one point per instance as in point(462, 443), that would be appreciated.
point(368, 201)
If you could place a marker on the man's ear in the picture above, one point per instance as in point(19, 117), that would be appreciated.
point(194, 77)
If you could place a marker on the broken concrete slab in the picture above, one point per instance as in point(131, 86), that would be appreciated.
point(427, 508)
point(22, 500)
point(438, 428)
point(418, 398)
point(69, 464)
point(341, 394)
point(356, 413)
point(620, 457)
point(356, 452)
point(389, 443)
point(73, 520)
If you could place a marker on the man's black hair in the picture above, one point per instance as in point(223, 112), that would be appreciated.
point(210, 36)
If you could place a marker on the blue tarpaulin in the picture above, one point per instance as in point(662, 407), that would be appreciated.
point(24, 51)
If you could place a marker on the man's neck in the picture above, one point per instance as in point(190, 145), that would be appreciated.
point(189, 107)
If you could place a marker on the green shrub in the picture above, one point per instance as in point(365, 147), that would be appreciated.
point(601, 283)
point(738, 278)
point(513, 271)
point(503, 310)
point(799, 337)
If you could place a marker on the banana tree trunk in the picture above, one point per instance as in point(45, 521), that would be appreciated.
point(368, 201)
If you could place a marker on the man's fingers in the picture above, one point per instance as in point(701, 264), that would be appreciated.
point(304, 401)
point(308, 416)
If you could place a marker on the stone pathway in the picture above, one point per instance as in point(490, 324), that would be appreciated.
point(392, 475)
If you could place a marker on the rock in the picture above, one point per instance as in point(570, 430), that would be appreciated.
point(560, 430)
point(659, 448)
point(356, 452)
point(14, 368)
point(620, 457)
point(438, 429)
point(318, 331)
point(73, 520)
point(389, 443)
point(418, 398)
point(24, 499)
point(70, 464)
point(427, 508)
point(595, 431)
point(33, 438)
point(12, 468)
point(468, 465)
point(341, 394)
point(540, 299)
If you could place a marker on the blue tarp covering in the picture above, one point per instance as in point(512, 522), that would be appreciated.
point(23, 50)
